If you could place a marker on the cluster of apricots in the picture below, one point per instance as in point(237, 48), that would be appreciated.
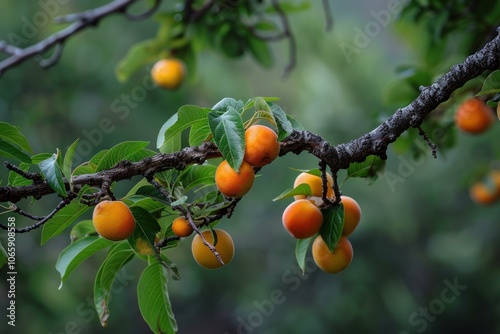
point(261, 147)
point(303, 219)
point(168, 73)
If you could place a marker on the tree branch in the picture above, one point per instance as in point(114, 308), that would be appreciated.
point(80, 21)
point(336, 157)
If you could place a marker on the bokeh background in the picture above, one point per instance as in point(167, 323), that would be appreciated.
point(419, 237)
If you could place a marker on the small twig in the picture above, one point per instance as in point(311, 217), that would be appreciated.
point(54, 58)
point(291, 38)
point(36, 177)
point(58, 208)
point(28, 215)
point(324, 183)
point(328, 15)
point(146, 14)
point(433, 146)
point(205, 242)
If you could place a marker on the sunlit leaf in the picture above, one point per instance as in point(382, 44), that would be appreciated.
point(62, 219)
point(491, 85)
point(130, 150)
point(12, 135)
point(53, 175)
point(301, 251)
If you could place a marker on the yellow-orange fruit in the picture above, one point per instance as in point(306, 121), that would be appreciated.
point(205, 257)
point(487, 190)
point(168, 73)
point(231, 183)
point(302, 219)
point(261, 145)
point(474, 116)
point(316, 185)
point(332, 262)
point(181, 227)
point(352, 215)
point(113, 220)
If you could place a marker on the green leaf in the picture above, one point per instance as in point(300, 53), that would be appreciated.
point(301, 251)
point(12, 151)
point(118, 256)
point(333, 223)
point(296, 125)
point(12, 135)
point(197, 175)
point(62, 219)
point(130, 150)
point(229, 136)
point(53, 175)
point(76, 253)
point(143, 239)
point(138, 57)
point(199, 132)
point(154, 301)
point(301, 189)
point(173, 145)
point(491, 84)
point(371, 168)
point(260, 51)
point(3, 256)
point(291, 7)
point(226, 103)
point(81, 230)
point(284, 125)
point(185, 117)
point(68, 159)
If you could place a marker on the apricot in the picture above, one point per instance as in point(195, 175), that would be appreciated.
point(474, 116)
point(205, 257)
point(487, 190)
point(168, 73)
point(113, 220)
point(181, 227)
point(352, 215)
point(332, 262)
point(302, 219)
point(231, 183)
point(316, 185)
point(261, 145)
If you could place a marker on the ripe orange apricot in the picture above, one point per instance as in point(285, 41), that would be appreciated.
point(473, 116)
point(487, 190)
point(231, 183)
point(302, 219)
point(168, 73)
point(205, 257)
point(316, 185)
point(332, 262)
point(113, 220)
point(181, 227)
point(352, 215)
point(261, 145)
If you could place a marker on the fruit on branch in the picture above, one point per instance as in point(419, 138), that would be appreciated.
point(474, 116)
point(204, 255)
point(181, 227)
point(316, 185)
point(332, 262)
point(231, 183)
point(302, 219)
point(168, 73)
point(352, 215)
point(261, 145)
point(487, 190)
point(113, 220)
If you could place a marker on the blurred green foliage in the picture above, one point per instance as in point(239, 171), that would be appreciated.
point(419, 232)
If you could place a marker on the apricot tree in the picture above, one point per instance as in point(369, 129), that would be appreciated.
point(180, 178)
